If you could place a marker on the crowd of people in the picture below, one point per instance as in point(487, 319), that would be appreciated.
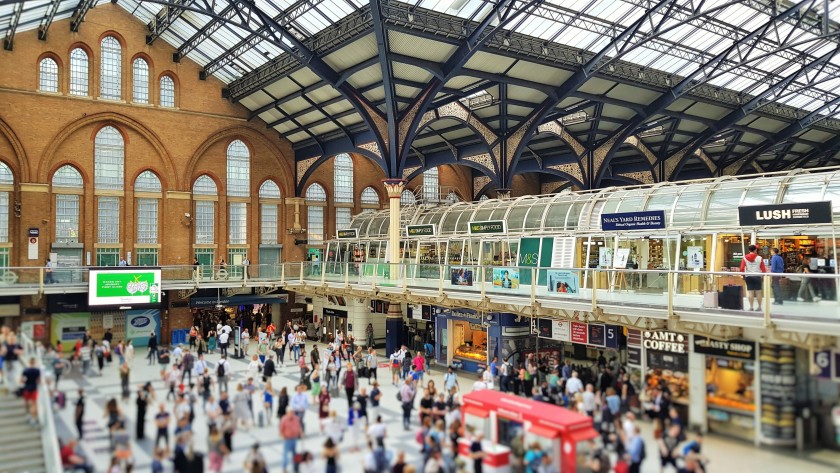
point(225, 398)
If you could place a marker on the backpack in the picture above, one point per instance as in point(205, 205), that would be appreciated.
point(220, 370)
point(406, 363)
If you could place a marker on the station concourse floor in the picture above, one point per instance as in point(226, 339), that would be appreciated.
point(726, 455)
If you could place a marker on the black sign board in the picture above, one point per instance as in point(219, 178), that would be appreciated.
point(741, 349)
point(634, 356)
point(347, 234)
point(34, 232)
point(803, 213)
point(335, 313)
point(633, 220)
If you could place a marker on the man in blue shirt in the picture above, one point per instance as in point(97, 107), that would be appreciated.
point(777, 265)
point(636, 451)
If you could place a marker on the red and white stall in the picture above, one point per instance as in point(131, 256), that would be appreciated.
point(511, 423)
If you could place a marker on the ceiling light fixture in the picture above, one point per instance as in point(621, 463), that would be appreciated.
point(655, 131)
point(574, 118)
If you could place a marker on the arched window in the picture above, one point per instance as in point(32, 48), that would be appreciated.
point(370, 196)
point(205, 211)
point(483, 198)
point(431, 193)
point(167, 92)
point(407, 198)
point(453, 197)
point(140, 82)
point(79, 72)
point(48, 75)
point(238, 170)
point(109, 159)
point(67, 185)
point(7, 181)
point(110, 80)
point(269, 215)
point(148, 185)
point(316, 200)
point(343, 189)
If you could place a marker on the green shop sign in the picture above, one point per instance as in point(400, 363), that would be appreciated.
point(347, 234)
point(120, 284)
point(488, 227)
point(420, 230)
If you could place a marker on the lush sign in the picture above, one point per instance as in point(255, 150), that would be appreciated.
point(803, 213)
point(633, 220)
point(420, 230)
point(487, 227)
point(124, 287)
point(347, 234)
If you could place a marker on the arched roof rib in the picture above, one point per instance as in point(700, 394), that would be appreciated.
point(652, 80)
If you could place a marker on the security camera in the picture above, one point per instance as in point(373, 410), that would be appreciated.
point(187, 215)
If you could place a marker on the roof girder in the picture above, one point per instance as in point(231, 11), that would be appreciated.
point(9, 40)
point(44, 27)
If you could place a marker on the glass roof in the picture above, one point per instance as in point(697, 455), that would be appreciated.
point(706, 204)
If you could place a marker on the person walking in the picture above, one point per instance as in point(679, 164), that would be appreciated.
point(222, 374)
point(153, 349)
point(291, 430)
point(636, 450)
point(142, 403)
point(777, 266)
point(48, 272)
point(752, 265)
point(407, 400)
point(30, 379)
point(349, 382)
point(79, 414)
point(299, 404)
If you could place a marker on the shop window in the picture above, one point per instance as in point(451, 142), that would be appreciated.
point(107, 256)
point(108, 223)
point(4, 257)
point(140, 83)
point(146, 256)
point(343, 179)
point(235, 258)
point(205, 216)
point(206, 260)
point(238, 170)
point(167, 92)
point(67, 178)
point(79, 72)
point(109, 159)
point(110, 81)
point(238, 223)
point(48, 75)
point(269, 213)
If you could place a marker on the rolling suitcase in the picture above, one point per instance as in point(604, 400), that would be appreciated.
point(731, 297)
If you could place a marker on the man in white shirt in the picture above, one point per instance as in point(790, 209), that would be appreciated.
point(377, 432)
point(479, 384)
point(176, 354)
point(223, 342)
point(589, 402)
point(629, 426)
point(573, 385)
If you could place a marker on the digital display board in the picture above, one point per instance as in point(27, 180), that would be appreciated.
point(124, 288)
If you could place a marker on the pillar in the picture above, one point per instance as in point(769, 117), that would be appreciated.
point(394, 319)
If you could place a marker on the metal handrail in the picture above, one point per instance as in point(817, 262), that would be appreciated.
point(49, 439)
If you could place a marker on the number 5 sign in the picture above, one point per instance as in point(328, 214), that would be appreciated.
point(822, 363)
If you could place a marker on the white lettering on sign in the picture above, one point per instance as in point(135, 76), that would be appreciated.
point(665, 341)
point(781, 214)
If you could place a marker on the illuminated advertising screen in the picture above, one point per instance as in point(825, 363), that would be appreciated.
point(124, 288)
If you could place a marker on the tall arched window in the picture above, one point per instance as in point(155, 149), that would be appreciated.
point(67, 184)
point(431, 193)
point(343, 189)
point(167, 92)
point(140, 81)
point(370, 197)
point(316, 200)
point(147, 190)
point(407, 198)
point(48, 75)
point(78, 72)
point(7, 182)
point(205, 195)
point(269, 215)
point(238, 169)
point(109, 159)
point(110, 80)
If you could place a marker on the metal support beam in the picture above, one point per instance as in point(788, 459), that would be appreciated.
point(44, 27)
point(391, 109)
point(228, 13)
point(164, 19)
point(9, 40)
point(79, 14)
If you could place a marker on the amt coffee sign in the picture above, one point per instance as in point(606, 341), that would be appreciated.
point(666, 341)
point(803, 213)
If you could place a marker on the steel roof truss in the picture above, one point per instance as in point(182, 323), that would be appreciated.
point(44, 27)
point(9, 40)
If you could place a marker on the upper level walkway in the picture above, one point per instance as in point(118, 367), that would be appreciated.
point(647, 299)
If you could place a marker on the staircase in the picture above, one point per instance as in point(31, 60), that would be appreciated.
point(21, 445)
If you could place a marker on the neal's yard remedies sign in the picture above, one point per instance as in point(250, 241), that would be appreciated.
point(803, 213)
point(633, 220)
point(347, 234)
point(129, 288)
point(420, 230)
point(490, 226)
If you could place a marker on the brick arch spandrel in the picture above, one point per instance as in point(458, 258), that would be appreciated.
point(17, 156)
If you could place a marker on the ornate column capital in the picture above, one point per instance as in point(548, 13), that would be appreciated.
point(394, 187)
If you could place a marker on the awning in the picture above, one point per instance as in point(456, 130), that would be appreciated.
point(476, 411)
point(544, 432)
point(581, 435)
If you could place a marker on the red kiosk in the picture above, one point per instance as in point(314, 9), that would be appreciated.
point(511, 423)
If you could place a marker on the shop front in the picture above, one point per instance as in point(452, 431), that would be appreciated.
point(470, 339)
point(731, 385)
point(666, 366)
point(580, 342)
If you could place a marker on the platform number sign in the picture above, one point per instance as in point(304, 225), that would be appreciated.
point(822, 364)
point(612, 336)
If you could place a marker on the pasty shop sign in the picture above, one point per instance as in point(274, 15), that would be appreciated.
point(666, 341)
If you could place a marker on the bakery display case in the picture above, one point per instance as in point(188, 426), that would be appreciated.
point(730, 397)
point(470, 341)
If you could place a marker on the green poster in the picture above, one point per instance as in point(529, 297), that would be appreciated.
point(545, 258)
point(529, 253)
point(125, 284)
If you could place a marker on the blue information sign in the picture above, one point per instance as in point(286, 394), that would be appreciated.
point(633, 220)
point(612, 336)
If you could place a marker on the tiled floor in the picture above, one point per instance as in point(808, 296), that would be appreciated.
point(726, 455)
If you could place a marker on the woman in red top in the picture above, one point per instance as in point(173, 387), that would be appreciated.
point(420, 365)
